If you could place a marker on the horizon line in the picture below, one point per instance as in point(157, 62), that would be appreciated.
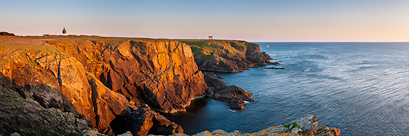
point(222, 39)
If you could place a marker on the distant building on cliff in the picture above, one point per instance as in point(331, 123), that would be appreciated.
point(210, 37)
point(64, 32)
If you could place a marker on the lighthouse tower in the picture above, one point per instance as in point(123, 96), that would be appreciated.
point(64, 32)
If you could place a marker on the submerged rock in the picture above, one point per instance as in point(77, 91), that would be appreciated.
point(275, 63)
point(275, 68)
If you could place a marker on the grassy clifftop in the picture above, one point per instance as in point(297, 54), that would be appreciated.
point(226, 55)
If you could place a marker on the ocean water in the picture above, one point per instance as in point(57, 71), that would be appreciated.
point(360, 88)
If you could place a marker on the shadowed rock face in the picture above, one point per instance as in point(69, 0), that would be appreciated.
point(144, 121)
point(46, 114)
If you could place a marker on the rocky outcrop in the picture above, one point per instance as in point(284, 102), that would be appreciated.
point(29, 117)
point(102, 78)
point(46, 73)
point(233, 95)
point(227, 56)
point(144, 121)
point(304, 126)
point(161, 73)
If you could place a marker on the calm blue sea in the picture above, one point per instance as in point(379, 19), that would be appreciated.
point(360, 88)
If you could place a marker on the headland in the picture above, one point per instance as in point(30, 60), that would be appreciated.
point(66, 85)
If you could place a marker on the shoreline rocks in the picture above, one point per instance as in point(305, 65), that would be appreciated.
point(305, 126)
point(143, 121)
point(233, 95)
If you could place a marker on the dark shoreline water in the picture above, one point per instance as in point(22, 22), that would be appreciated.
point(360, 88)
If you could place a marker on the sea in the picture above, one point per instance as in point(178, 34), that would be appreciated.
point(359, 88)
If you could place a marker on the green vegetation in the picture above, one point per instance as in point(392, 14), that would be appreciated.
point(291, 126)
point(197, 51)
point(208, 56)
point(197, 43)
point(248, 44)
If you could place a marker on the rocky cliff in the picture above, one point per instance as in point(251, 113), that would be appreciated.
point(100, 78)
point(161, 73)
point(62, 85)
point(227, 55)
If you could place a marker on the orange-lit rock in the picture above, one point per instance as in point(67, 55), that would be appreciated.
point(160, 73)
point(104, 77)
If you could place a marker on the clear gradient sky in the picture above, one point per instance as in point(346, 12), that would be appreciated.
point(251, 20)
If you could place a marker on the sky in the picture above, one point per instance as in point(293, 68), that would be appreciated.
point(250, 20)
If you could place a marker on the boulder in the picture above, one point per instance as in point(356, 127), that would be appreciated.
point(308, 124)
point(144, 121)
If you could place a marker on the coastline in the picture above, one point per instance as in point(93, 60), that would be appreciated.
point(117, 82)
